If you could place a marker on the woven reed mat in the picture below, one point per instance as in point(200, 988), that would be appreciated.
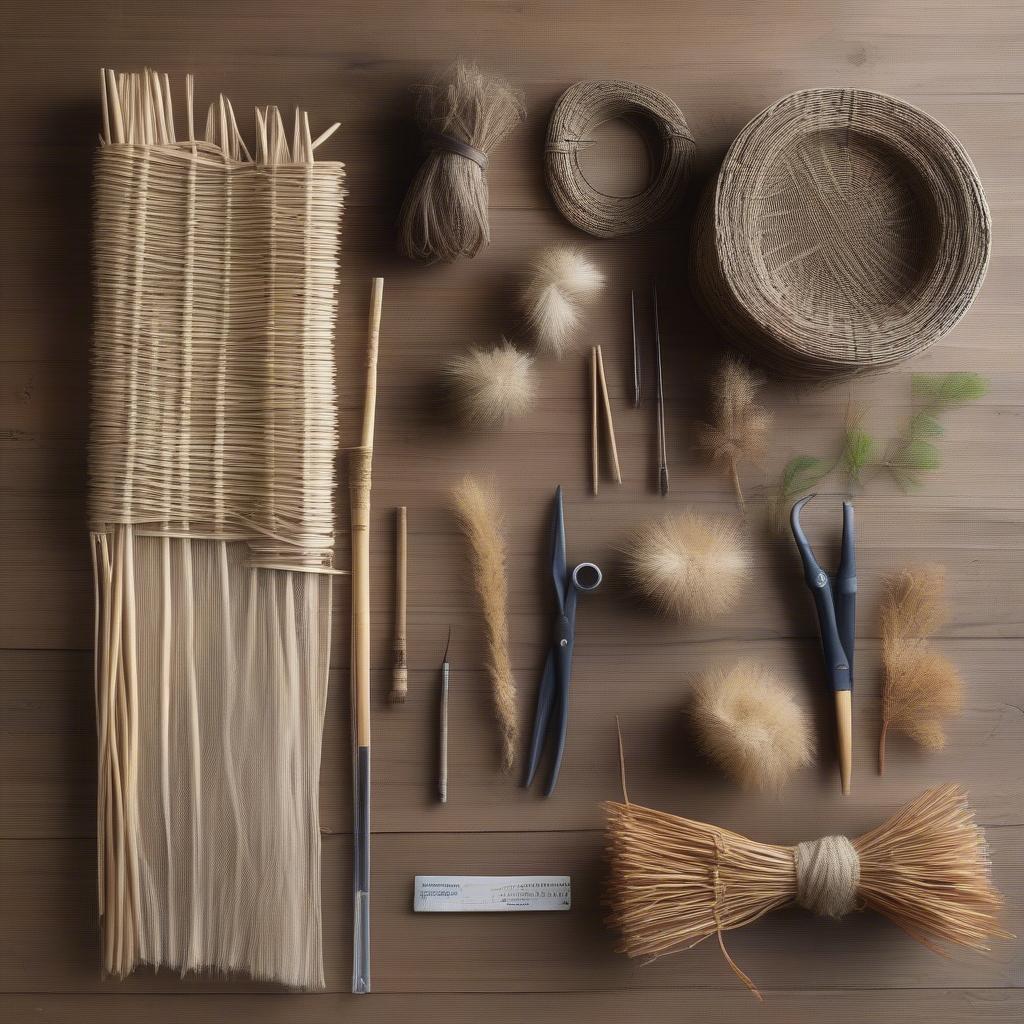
point(212, 454)
point(846, 231)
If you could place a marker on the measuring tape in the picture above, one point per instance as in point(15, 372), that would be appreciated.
point(453, 894)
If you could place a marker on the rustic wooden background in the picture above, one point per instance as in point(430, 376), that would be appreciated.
point(722, 60)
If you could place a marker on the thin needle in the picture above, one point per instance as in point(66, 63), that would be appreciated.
point(442, 775)
point(662, 445)
point(636, 353)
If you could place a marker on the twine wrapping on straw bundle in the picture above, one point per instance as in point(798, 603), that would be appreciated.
point(582, 108)
point(464, 115)
point(213, 443)
point(827, 873)
point(675, 882)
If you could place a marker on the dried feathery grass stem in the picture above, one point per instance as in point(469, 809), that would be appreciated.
point(476, 506)
point(920, 687)
point(675, 882)
point(464, 115)
point(740, 428)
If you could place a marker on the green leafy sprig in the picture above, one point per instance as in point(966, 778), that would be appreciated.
point(908, 457)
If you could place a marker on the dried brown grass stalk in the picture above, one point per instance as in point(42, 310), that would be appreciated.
point(675, 882)
point(739, 429)
point(464, 115)
point(920, 687)
point(476, 506)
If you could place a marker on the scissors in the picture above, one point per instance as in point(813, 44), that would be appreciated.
point(835, 600)
point(553, 696)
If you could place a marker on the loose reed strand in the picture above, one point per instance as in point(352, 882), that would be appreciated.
point(400, 671)
point(475, 505)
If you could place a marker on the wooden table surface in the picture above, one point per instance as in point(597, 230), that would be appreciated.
point(723, 61)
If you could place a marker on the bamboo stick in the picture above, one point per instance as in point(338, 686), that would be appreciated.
point(594, 457)
point(359, 494)
point(400, 671)
point(607, 405)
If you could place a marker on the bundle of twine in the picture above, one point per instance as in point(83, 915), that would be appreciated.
point(675, 882)
point(464, 116)
point(582, 108)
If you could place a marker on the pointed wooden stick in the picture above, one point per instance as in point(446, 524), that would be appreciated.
point(606, 402)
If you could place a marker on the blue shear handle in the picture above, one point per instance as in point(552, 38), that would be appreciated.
point(837, 665)
point(541, 717)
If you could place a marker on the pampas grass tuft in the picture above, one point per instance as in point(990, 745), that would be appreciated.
point(750, 726)
point(920, 687)
point(561, 279)
point(491, 386)
point(691, 566)
point(475, 505)
point(740, 428)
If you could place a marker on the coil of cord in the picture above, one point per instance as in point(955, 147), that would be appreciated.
point(579, 110)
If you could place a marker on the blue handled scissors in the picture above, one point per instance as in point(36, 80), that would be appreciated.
point(552, 713)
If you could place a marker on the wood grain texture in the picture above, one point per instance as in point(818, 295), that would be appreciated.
point(722, 61)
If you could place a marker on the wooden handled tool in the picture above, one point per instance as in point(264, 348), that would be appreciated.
point(400, 672)
point(359, 495)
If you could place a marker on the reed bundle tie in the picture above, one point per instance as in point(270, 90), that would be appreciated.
point(827, 875)
point(450, 144)
point(580, 109)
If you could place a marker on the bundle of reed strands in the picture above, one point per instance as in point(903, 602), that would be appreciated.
point(212, 458)
point(476, 506)
point(675, 882)
point(921, 687)
point(464, 116)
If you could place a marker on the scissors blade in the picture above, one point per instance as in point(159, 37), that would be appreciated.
point(558, 566)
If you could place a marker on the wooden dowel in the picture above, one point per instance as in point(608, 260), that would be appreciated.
point(400, 671)
point(594, 457)
point(607, 404)
point(844, 737)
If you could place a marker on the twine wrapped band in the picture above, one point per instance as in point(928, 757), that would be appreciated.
point(827, 875)
point(450, 144)
point(580, 109)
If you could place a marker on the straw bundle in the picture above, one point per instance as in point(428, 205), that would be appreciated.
point(846, 231)
point(675, 882)
point(464, 115)
point(212, 453)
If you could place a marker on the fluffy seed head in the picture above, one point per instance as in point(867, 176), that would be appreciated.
point(491, 386)
point(750, 726)
point(692, 566)
point(561, 280)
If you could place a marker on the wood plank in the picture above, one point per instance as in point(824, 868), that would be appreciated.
point(47, 762)
point(46, 597)
point(47, 892)
point(939, 1006)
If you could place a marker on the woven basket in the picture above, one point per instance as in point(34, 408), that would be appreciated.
point(846, 231)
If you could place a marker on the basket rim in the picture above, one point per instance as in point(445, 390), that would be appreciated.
point(962, 222)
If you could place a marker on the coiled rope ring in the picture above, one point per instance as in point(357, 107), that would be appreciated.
point(580, 109)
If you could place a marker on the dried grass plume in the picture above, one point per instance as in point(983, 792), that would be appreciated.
point(475, 505)
point(920, 687)
point(691, 566)
point(750, 726)
point(561, 280)
point(491, 386)
point(740, 429)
